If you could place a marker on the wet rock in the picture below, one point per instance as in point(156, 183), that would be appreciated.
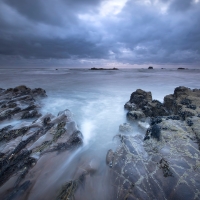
point(183, 102)
point(140, 97)
point(189, 122)
point(195, 122)
point(154, 131)
point(130, 106)
point(168, 156)
point(173, 117)
point(182, 91)
point(33, 136)
point(169, 103)
point(14, 101)
point(193, 107)
point(186, 101)
point(142, 100)
point(143, 125)
point(30, 114)
point(19, 190)
point(135, 115)
point(125, 127)
point(156, 120)
point(109, 158)
point(164, 165)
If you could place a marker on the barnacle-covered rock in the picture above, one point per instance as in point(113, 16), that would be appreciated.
point(165, 164)
point(135, 115)
point(31, 138)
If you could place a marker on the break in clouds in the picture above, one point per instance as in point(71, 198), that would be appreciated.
point(77, 33)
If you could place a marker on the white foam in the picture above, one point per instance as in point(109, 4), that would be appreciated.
point(88, 130)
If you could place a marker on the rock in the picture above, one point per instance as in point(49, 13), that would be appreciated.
point(158, 160)
point(169, 103)
point(155, 108)
point(181, 68)
point(143, 125)
point(168, 156)
point(130, 106)
point(156, 120)
point(125, 127)
point(23, 144)
point(94, 68)
point(140, 97)
point(196, 126)
point(173, 117)
point(109, 158)
point(184, 102)
point(182, 92)
point(150, 67)
point(135, 115)
point(155, 132)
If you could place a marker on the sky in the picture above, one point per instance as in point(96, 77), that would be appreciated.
point(99, 33)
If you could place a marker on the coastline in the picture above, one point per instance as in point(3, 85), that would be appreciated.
point(168, 133)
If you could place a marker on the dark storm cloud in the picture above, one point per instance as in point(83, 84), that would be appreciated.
point(153, 37)
point(56, 12)
point(158, 32)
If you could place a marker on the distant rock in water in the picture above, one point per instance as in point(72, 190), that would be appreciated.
point(150, 67)
point(94, 68)
point(181, 68)
point(163, 163)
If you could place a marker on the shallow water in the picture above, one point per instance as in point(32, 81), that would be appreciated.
point(96, 99)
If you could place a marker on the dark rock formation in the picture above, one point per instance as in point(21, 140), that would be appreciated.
point(94, 68)
point(164, 164)
point(20, 102)
point(135, 115)
point(184, 102)
point(23, 144)
point(150, 67)
point(141, 100)
point(181, 68)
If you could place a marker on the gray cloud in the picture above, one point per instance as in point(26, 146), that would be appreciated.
point(159, 33)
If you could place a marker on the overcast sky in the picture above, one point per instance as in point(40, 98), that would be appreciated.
point(85, 33)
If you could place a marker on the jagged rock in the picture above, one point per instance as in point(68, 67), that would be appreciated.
point(130, 106)
point(140, 97)
point(182, 91)
point(173, 117)
point(143, 100)
point(156, 120)
point(135, 115)
point(155, 132)
point(167, 164)
point(196, 126)
point(184, 102)
point(109, 158)
point(15, 101)
point(23, 144)
point(167, 159)
point(125, 127)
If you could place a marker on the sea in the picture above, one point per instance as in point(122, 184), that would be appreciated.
point(96, 99)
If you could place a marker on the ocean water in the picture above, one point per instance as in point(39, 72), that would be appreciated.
point(96, 100)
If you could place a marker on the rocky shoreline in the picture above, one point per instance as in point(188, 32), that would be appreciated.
point(22, 145)
point(164, 163)
point(159, 161)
